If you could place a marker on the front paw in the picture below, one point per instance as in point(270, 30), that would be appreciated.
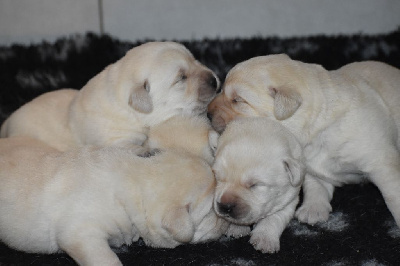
point(237, 231)
point(313, 213)
point(264, 242)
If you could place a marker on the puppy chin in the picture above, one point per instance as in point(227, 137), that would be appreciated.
point(241, 220)
point(218, 123)
point(241, 214)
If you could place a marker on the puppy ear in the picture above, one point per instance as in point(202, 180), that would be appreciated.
point(213, 137)
point(179, 224)
point(286, 102)
point(140, 99)
point(296, 171)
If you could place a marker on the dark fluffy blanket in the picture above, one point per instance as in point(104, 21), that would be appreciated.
point(360, 231)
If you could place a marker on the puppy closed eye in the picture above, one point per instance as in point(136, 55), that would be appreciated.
point(238, 99)
point(182, 77)
point(254, 185)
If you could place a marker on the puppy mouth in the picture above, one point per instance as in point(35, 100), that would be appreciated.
point(238, 221)
point(218, 123)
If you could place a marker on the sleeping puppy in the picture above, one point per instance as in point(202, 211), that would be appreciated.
point(347, 121)
point(192, 134)
point(150, 84)
point(259, 169)
point(82, 200)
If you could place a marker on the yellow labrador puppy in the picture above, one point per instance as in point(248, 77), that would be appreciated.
point(259, 169)
point(82, 200)
point(347, 121)
point(150, 84)
point(192, 134)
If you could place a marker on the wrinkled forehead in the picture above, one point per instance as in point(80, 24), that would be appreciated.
point(264, 70)
point(255, 140)
point(176, 57)
point(160, 52)
point(242, 80)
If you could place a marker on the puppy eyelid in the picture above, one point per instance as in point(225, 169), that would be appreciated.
point(181, 77)
point(237, 99)
point(146, 85)
point(252, 186)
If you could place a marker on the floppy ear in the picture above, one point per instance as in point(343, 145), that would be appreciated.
point(179, 224)
point(213, 137)
point(296, 171)
point(286, 102)
point(140, 99)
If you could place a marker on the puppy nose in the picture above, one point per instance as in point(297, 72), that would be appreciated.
point(209, 116)
point(226, 208)
point(213, 82)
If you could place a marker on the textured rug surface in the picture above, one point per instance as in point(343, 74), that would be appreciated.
point(360, 231)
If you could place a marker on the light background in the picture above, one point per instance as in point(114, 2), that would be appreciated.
point(31, 21)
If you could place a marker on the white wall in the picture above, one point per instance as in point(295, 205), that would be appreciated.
point(26, 21)
point(187, 19)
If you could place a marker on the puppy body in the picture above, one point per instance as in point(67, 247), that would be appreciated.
point(259, 170)
point(83, 200)
point(190, 134)
point(150, 84)
point(346, 120)
point(44, 118)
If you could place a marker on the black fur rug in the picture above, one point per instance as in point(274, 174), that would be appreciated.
point(360, 231)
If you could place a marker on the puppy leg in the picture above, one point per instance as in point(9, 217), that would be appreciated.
point(385, 174)
point(89, 250)
point(267, 232)
point(316, 201)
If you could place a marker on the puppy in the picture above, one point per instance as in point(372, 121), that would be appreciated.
point(191, 134)
point(150, 84)
point(259, 170)
point(82, 200)
point(347, 121)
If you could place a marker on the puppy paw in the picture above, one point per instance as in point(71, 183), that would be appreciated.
point(264, 242)
point(237, 231)
point(314, 213)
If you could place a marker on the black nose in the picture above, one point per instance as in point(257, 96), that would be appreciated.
point(209, 116)
point(226, 208)
point(213, 82)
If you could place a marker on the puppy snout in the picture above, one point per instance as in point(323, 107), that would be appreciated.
point(209, 116)
point(213, 82)
point(208, 87)
point(226, 209)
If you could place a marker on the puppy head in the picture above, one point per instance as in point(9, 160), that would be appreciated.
point(267, 86)
point(192, 134)
point(162, 79)
point(179, 207)
point(259, 170)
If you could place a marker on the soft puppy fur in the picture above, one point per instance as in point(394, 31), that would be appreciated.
point(150, 84)
point(82, 200)
point(193, 134)
point(346, 120)
point(259, 170)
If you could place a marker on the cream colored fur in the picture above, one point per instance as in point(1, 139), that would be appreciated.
point(150, 84)
point(259, 170)
point(191, 134)
point(346, 120)
point(82, 200)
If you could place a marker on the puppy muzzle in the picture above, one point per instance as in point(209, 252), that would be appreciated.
point(233, 211)
point(208, 87)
